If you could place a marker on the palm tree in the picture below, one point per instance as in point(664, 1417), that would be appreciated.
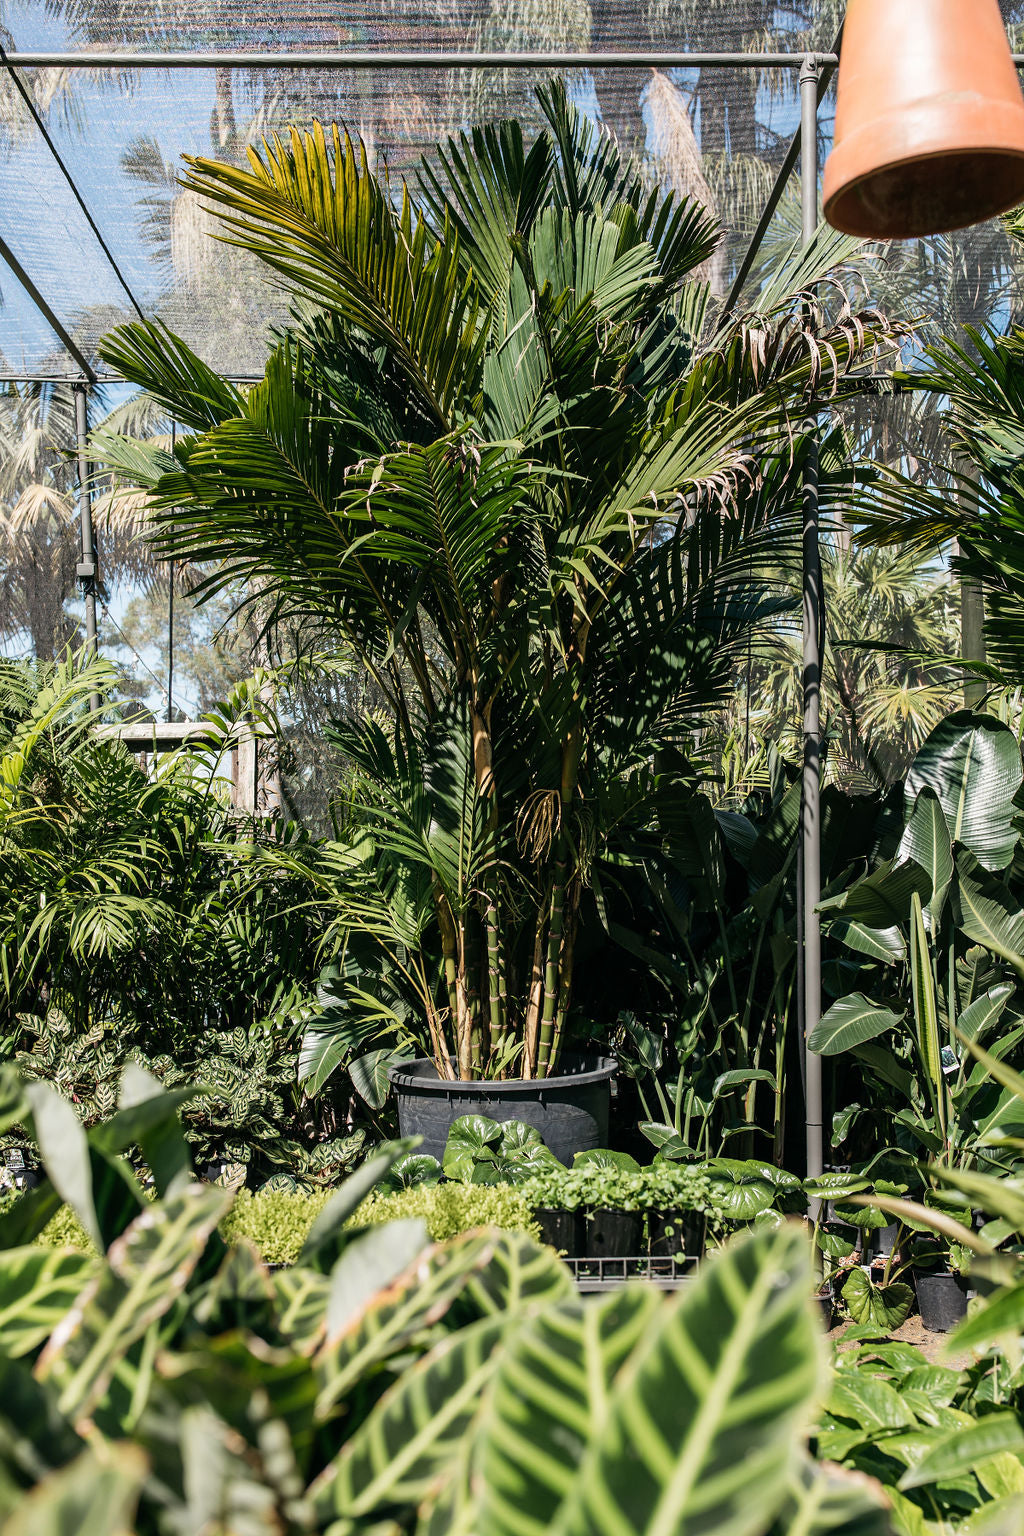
point(504, 453)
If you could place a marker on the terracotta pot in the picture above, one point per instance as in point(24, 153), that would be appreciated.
point(929, 131)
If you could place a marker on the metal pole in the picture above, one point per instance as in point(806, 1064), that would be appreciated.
point(170, 623)
point(86, 570)
point(813, 632)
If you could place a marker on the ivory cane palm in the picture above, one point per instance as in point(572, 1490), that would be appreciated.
point(506, 452)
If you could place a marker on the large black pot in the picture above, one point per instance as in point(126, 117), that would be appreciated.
point(570, 1111)
point(942, 1298)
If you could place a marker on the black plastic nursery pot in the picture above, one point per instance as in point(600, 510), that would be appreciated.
point(670, 1233)
point(942, 1298)
point(570, 1111)
point(613, 1234)
point(560, 1229)
point(827, 1302)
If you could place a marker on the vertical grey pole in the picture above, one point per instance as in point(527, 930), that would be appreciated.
point(810, 821)
point(170, 622)
point(87, 567)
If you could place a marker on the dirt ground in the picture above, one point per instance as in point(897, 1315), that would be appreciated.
point(913, 1331)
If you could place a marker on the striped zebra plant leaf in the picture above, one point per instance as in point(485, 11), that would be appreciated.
point(828, 1500)
point(37, 1287)
point(147, 1270)
point(404, 1449)
point(705, 1419)
point(520, 1272)
point(551, 1398)
point(417, 1300)
point(95, 1495)
point(301, 1300)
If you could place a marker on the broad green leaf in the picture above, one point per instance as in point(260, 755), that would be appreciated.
point(552, 1397)
point(881, 899)
point(1003, 1517)
point(884, 1306)
point(37, 1287)
point(64, 1150)
point(850, 1022)
point(414, 1431)
point(984, 1013)
point(34, 1435)
point(926, 1012)
point(926, 841)
point(828, 1500)
point(867, 1401)
point(964, 1448)
point(369, 1264)
point(148, 1117)
point(409, 1172)
point(996, 1317)
point(370, 1078)
point(992, 918)
point(323, 1235)
point(884, 944)
point(470, 1138)
point(734, 1360)
point(301, 1296)
point(972, 763)
point(518, 1273)
point(95, 1495)
point(602, 1157)
point(418, 1299)
point(147, 1269)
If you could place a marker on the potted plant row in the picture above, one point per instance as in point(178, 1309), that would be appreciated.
point(608, 1207)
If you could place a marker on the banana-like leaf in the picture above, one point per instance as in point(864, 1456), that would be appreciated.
point(735, 1360)
point(37, 1287)
point(850, 1022)
point(96, 1495)
point(981, 1015)
point(884, 944)
point(881, 899)
point(991, 917)
point(926, 1013)
point(552, 1397)
point(972, 764)
point(926, 840)
point(147, 1269)
point(415, 1432)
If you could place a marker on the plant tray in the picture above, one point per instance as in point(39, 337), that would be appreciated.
point(606, 1274)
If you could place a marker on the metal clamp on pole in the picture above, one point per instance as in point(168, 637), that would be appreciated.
point(87, 570)
point(813, 651)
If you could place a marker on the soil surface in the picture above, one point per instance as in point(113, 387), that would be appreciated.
point(913, 1331)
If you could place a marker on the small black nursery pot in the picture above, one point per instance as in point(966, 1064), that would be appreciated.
point(942, 1298)
point(613, 1234)
point(561, 1229)
point(671, 1233)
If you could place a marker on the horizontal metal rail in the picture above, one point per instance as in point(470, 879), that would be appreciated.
point(382, 58)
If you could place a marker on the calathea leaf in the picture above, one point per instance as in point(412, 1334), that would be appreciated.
point(94, 1495)
point(737, 1354)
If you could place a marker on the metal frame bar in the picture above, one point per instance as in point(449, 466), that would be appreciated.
point(813, 650)
point(382, 58)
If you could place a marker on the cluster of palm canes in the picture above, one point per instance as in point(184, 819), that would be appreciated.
point(507, 453)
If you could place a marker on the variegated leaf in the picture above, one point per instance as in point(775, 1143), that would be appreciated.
point(37, 1287)
point(147, 1269)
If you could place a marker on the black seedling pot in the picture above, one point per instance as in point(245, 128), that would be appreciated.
point(613, 1234)
point(561, 1229)
point(942, 1298)
point(673, 1232)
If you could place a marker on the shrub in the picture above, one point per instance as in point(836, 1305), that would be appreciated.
point(661, 1187)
